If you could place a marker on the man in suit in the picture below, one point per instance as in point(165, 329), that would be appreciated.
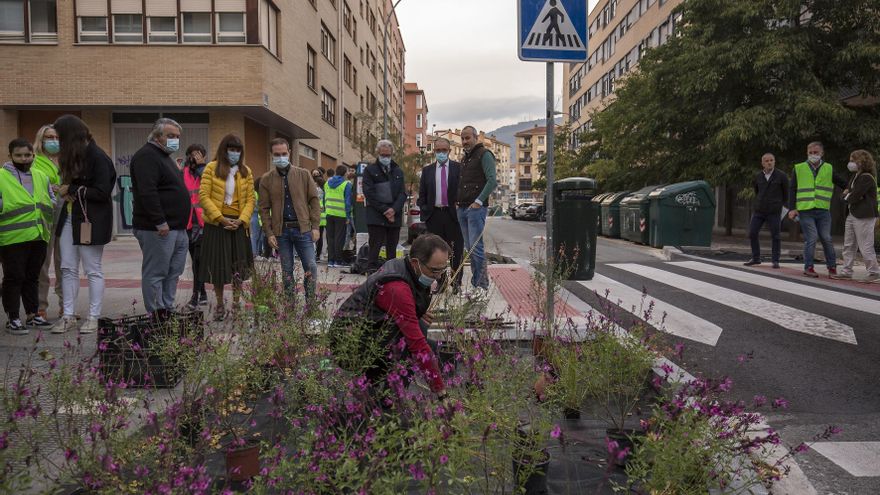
point(385, 194)
point(771, 193)
point(438, 192)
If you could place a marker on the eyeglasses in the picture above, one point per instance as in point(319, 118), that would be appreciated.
point(436, 271)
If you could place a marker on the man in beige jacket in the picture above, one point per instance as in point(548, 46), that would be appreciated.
point(291, 214)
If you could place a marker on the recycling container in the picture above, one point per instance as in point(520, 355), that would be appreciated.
point(682, 214)
point(574, 226)
point(634, 211)
point(597, 204)
point(610, 214)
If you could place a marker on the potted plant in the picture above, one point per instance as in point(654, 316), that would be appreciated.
point(571, 370)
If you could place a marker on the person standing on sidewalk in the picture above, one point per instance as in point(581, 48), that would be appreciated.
point(25, 213)
point(318, 177)
point(474, 188)
point(86, 223)
point(338, 208)
point(771, 194)
point(291, 212)
point(438, 193)
point(195, 226)
point(226, 194)
point(861, 200)
point(812, 185)
point(258, 239)
point(384, 194)
point(46, 148)
point(161, 211)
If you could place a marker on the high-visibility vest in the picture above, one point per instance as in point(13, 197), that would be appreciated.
point(813, 193)
point(334, 199)
point(48, 168)
point(24, 217)
point(323, 207)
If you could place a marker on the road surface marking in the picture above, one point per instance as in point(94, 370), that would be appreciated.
point(664, 317)
point(860, 459)
point(784, 316)
point(801, 290)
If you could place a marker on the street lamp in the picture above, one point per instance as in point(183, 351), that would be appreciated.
point(385, 71)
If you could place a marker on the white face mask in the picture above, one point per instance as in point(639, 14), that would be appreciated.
point(814, 159)
point(852, 166)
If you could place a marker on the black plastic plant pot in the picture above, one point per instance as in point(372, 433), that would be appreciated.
point(446, 354)
point(571, 414)
point(537, 468)
point(624, 439)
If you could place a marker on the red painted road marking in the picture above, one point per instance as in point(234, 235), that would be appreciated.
point(135, 283)
point(515, 285)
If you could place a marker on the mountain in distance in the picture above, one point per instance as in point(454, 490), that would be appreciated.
point(506, 134)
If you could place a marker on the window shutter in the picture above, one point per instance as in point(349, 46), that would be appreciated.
point(162, 8)
point(230, 5)
point(126, 6)
point(91, 8)
point(195, 5)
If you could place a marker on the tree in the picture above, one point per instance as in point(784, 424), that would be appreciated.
point(740, 79)
point(365, 132)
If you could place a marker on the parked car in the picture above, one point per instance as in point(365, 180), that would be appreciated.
point(518, 211)
point(533, 212)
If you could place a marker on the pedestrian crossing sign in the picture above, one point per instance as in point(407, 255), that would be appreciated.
point(552, 30)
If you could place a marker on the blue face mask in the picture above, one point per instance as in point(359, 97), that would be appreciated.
point(233, 156)
point(51, 146)
point(442, 157)
point(281, 161)
point(385, 160)
point(424, 280)
point(172, 144)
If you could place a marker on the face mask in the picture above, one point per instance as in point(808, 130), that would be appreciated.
point(852, 166)
point(172, 144)
point(814, 159)
point(385, 160)
point(281, 161)
point(233, 156)
point(442, 157)
point(23, 166)
point(51, 146)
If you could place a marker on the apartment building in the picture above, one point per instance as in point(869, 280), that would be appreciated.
point(416, 125)
point(620, 32)
point(302, 70)
point(531, 146)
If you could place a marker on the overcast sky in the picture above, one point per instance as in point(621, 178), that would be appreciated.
point(463, 53)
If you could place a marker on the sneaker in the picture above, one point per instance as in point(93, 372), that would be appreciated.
point(90, 326)
point(64, 324)
point(832, 272)
point(840, 276)
point(193, 303)
point(872, 277)
point(203, 300)
point(752, 263)
point(16, 327)
point(38, 321)
point(219, 313)
point(810, 272)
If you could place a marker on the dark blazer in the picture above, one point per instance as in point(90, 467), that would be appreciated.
point(373, 179)
point(770, 195)
point(428, 189)
point(862, 197)
point(97, 181)
point(160, 195)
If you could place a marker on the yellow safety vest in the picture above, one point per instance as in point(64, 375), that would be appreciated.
point(813, 193)
point(24, 217)
point(334, 199)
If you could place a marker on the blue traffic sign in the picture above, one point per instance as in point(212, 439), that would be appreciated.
point(552, 30)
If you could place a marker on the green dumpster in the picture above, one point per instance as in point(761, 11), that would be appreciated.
point(574, 226)
point(597, 204)
point(610, 214)
point(634, 210)
point(682, 214)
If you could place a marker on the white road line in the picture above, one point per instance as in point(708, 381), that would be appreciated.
point(849, 301)
point(784, 316)
point(664, 317)
point(860, 459)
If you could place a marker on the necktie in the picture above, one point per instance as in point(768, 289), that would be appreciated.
point(443, 186)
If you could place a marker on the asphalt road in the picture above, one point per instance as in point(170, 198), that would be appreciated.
point(774, 333)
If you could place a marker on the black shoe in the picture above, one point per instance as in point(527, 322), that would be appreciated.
point(38, 321)
point(193, 303)
point(752, 263)
point(15, 327)
point(775, 264)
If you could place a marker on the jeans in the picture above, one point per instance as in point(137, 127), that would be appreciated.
point(257, 235)
point(773, 221)
point(815, 224)
point(472, 222)
point(292, 239)
point(859, 236)
point(21, 274)
point(164, 259)
point(71, 256)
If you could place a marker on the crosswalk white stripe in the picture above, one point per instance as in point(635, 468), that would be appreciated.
point(801, 290)
point(784, 316)
point(860, 459)
point(665, 317)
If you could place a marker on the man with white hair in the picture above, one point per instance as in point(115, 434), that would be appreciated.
point(161, 211)
point(385, 194)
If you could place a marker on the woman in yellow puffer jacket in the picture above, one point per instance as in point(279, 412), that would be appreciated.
point(226, 195)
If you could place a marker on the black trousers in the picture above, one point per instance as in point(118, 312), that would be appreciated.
point(335, 238)
point(21, 276)
point(319, 245)
point(444, 223)
point(773, 221)
point(381, 235)
point(195, 254)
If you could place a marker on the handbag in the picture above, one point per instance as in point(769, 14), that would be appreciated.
point(85, 228)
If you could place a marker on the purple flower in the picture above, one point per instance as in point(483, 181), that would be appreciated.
point(780, 403)
point(416, 471)
point(759, 400)
point(556, 432)
point(444, 459)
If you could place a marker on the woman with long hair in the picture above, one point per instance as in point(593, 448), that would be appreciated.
point(46, 148)
point(193, 167)
point(86, 221)
point(226, 194)
point(861, 199)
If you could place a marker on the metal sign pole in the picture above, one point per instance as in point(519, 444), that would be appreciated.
point(551, 121)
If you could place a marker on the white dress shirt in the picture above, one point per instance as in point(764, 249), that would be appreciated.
point(438, 170)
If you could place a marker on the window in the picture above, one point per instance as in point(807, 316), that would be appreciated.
point(419, 121)
point(328, 45)
point(230, 27)
point(527, 170)
point(162, 29)
point(540, 140)
point(128, 28)
point(354, 80)
point(43, 19)
point(419, 101)
point(196, 27)
point(310, 68)
point(307, 151)
point(11, 20)
point(93, 30)
point(269, 26)
point(346, 17)
point(419, 139)
point(346, 70)
point(328, 107)
point(348, 124)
